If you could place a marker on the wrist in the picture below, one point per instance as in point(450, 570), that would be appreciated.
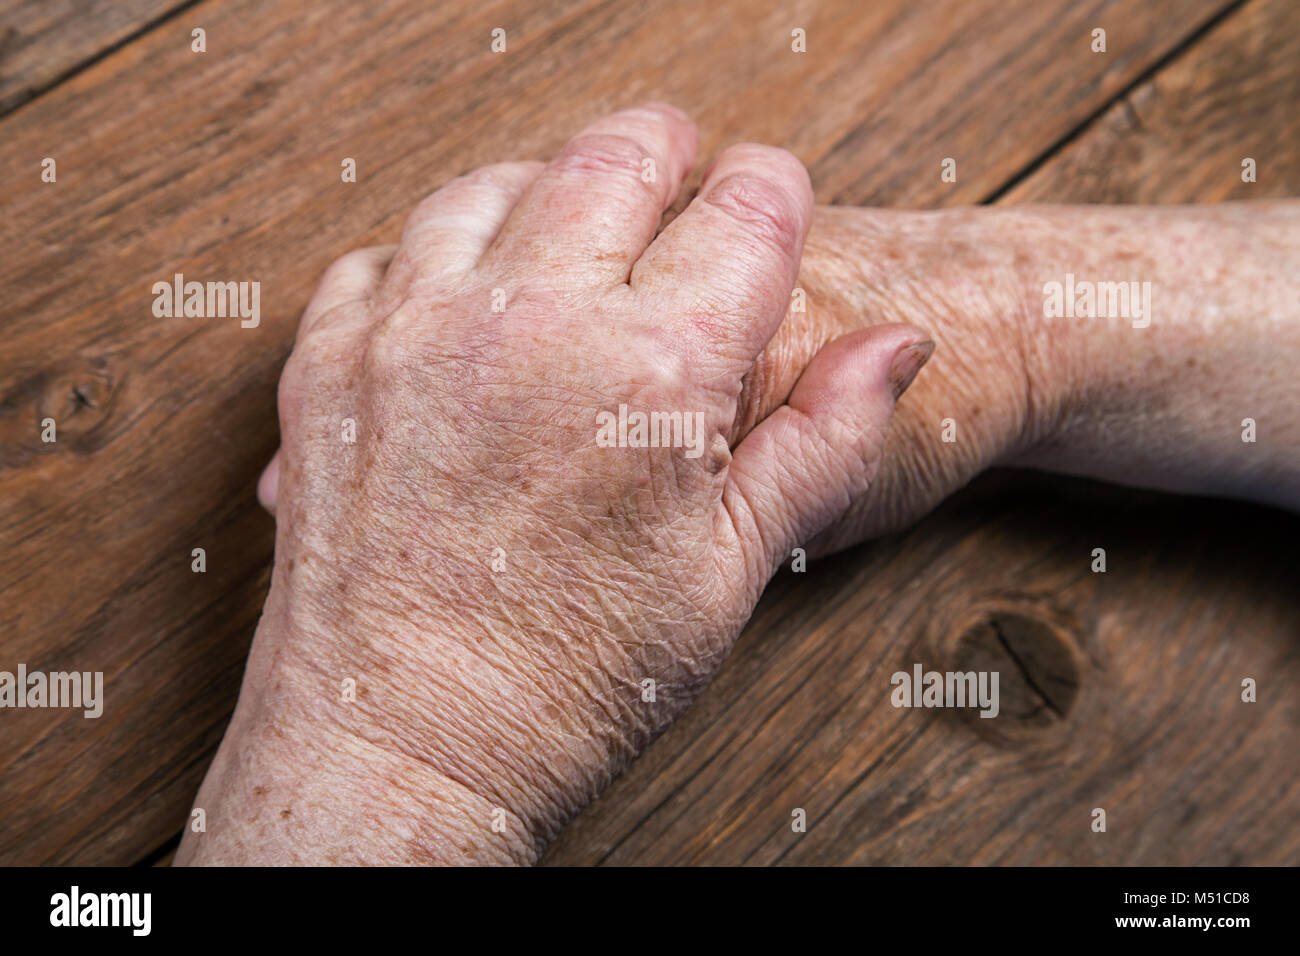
point(967, 278)
point(972, 278)
point(345, 749)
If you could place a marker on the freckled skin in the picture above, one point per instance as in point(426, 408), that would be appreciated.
point(407, 699)
point(519, 691)
point(1159, 407)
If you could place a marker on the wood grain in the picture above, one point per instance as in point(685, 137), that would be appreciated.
point(225, 166)
point(43, 41)
point(1181, 138)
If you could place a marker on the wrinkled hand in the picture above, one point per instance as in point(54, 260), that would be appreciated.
point(994, 388)
point(963, 276)
point(522, 598)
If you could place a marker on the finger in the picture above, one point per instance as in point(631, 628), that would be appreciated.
point(268, 485)
point(353, 277)
point(804, 465)
point(448, 232)
point(593, 210)
point(727, 265)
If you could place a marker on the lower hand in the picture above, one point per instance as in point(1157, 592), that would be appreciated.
point(516, 607)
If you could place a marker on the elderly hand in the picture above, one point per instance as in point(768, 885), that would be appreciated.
point(522, 515)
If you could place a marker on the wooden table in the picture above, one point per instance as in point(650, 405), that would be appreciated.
point(1120, 690)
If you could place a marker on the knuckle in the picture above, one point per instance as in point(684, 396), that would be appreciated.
point(356, 258)
point(429, 207)
point(765, 209)
point(780, 162)
point(668, 372)
point(602, 154)
point(347, 266)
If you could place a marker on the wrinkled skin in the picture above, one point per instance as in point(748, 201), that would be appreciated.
point(1158, 407)
point(517, 692)
point(863, 268)
point(498, 585)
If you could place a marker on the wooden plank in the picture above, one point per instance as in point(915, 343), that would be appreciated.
point(225, 166)
point(43, 41)
point(1198, 595)
point(1182, 137)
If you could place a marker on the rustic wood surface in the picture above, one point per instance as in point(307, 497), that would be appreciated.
point(226, 165)
point(44, 41)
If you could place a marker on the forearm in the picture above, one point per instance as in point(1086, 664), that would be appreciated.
point(1159, 405)
point(1165, 405)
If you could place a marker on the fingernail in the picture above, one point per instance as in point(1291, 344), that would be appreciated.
point(907, 363)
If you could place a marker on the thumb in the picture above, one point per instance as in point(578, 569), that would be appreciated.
point(801, 468)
